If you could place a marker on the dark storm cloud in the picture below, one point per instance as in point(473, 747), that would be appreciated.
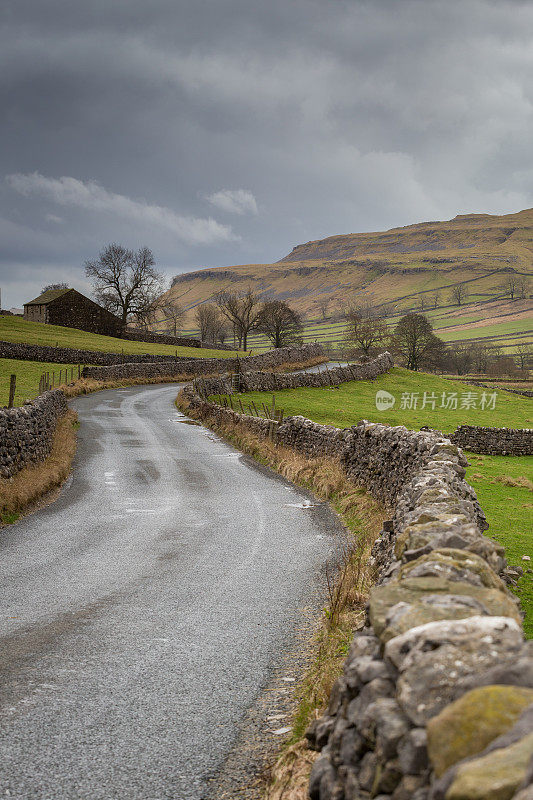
point(222, 132)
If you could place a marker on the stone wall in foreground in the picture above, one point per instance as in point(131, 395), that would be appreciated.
point(436, 697)
point(27, 432)
point(206, 366)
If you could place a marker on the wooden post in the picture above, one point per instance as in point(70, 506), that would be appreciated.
point(267, 415)
point(241, 405)
point(257, 414)
point(273, 406)
point(53, 378)
point(12, 387)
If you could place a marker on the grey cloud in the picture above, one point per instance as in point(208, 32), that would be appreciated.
point(340, 116)
point(234, 201)
point(69, 192)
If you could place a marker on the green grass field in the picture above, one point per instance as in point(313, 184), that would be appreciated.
point(356, 400)
point(504, 488)
point(16, 329)
point(500, 482)
point(28, 374)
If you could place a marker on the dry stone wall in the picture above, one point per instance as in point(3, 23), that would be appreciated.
point(272, 381)
point(206, 366)
point(26, 432)
point(494, 441)
point(70, 355)
point(436, 697)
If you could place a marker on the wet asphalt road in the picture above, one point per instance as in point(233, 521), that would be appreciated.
point(142, 612)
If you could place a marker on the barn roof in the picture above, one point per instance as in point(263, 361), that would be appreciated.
point(47, 297)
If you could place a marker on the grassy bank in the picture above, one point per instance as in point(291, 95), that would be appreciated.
point(357, 400)
point(16, 329)
point(27, 487)
point(28, 374)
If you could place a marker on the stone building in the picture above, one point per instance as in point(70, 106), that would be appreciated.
point(71, 309)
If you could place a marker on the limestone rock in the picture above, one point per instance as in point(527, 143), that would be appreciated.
point(468, 725)
point(433, 658)
point(495, 776)
point(397, 606)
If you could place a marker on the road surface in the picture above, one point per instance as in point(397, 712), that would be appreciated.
point(144, 610)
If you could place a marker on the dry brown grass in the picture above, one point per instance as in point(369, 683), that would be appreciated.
point(289, 779)
point(347, 590)
point(521, 481)
point(19, 493)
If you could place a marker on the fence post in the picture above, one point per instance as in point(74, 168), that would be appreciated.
point(12, 387)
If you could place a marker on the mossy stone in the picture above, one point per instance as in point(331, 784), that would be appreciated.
point(495, 776)
point(472, 722)
point(411, 591)
point(460, 560)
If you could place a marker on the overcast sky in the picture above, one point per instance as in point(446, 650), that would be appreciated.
point(222, 132)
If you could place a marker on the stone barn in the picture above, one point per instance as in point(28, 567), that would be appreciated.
point(72, 309)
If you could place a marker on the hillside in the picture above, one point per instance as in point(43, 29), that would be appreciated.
point(403, 269)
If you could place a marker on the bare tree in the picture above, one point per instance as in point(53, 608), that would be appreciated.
point(242, 310)
point(125, 282)
point(365, 331)
point(209, 321)
point(281, 323)
point(174, 314)
point(323, 305)
point(459, 294)
point(524, 352)
point(510, 285)
point(435, 299)
point(523, 287)
point(415, 341)
point(54, 286)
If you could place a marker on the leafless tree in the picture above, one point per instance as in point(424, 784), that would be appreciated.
point(281, 323)
point(242, 310)
point(524, 352)
point(523, 287)
point(174, 314)
point(209, 321)
point(459, 294)
point(510, 285)
point(365, 331)
point(415, 341)
point(54, 286)
point(125, 282)
point(435, 299)
point(323, 305)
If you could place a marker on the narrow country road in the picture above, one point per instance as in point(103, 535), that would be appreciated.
point(144, 610)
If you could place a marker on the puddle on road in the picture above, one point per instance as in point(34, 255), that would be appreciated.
point(188, 421)
point(304, 504)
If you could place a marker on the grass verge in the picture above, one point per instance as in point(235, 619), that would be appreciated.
point(21, 492)
point(355, 400)
point(347, 590)
point(16, 329)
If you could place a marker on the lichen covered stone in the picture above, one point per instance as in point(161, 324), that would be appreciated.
point(468, 725)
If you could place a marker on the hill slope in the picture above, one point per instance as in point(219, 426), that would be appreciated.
point(405, 267)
